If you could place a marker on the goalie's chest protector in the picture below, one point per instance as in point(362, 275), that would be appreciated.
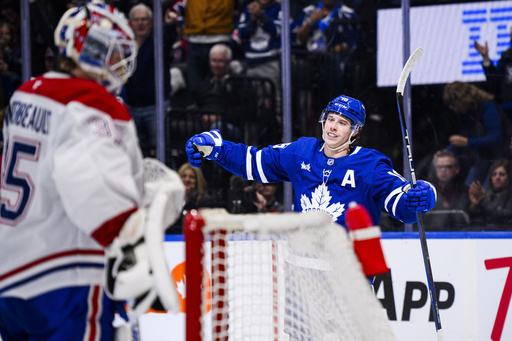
point(327, 184)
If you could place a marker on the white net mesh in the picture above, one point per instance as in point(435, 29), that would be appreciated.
point(288, 276)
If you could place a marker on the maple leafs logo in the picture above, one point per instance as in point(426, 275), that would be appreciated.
point(321, 201)
point(180, 287)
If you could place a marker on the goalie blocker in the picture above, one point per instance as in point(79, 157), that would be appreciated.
point(136, 267)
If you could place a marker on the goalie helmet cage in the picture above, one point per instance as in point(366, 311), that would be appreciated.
point(276, 276)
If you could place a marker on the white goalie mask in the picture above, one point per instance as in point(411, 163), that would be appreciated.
point(98, 38)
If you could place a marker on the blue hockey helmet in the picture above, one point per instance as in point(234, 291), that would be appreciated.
point(346, 106)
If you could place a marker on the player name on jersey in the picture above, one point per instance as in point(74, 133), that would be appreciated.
point(26, 115)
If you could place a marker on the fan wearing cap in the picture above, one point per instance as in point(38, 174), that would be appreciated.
point(326, 174)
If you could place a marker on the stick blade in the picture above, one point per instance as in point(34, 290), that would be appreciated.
point(407, 70)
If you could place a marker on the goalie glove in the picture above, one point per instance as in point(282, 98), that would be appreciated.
point(420, 198)
point(205, 145)
point(136, 267)
point(127, 260)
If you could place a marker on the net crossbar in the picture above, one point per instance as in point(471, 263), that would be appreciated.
point(276, 276)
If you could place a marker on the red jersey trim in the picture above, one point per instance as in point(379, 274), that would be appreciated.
point(94, 302)
point(106, 233)
point(70, 89)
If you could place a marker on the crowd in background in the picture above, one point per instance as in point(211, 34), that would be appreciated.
point(223, 63)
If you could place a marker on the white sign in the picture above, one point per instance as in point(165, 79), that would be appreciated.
point(447, 34)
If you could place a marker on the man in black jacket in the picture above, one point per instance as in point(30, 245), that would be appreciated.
point(140, 88)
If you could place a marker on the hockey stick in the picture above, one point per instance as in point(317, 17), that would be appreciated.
point(408, 151)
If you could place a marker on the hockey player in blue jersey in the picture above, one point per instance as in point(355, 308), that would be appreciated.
point(325, 174)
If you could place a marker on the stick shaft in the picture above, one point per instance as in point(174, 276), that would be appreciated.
point(408, 152)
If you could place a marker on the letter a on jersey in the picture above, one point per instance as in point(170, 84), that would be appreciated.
point(349, 179)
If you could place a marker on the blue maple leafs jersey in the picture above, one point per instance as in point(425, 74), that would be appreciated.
point(365, 176)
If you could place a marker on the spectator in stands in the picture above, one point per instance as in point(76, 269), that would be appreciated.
point(196, 194)
point(140, 88)
point(253, 197)
point(499, 76)
point(259, 30)
point(297, 6)
point(44, 17)
point(479, 136)
point(10, 13)
point(9, 80)
point(492, 209)
point(207, 22)
point(180, 45)
point(209, 94)
point(49, 59)
point(452, 194)
point(11, 49)
point(330, 27)
point(267, 197)
point(180, 96)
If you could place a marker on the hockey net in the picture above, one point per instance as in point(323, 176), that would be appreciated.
point(276, 276)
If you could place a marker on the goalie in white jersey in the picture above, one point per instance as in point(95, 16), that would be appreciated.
point(73, 189)
point(325, 174)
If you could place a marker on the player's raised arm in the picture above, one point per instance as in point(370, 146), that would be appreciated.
point(262, 165)
point(326, 174)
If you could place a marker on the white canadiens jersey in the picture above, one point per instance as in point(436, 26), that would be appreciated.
point(365, 176)
point(71, 175)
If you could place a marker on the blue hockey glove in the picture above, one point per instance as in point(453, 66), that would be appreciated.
point(205, 145)
point(420, 198)
point(194, 157)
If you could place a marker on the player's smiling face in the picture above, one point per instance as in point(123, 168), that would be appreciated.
point(337, 130)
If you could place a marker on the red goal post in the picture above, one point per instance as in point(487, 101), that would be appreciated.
point(276, 276)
